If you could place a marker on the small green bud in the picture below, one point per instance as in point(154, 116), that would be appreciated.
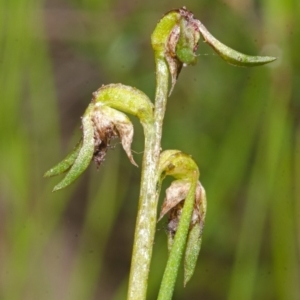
point(188, 38)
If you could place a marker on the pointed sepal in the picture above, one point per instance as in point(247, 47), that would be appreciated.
point(193, 245)
point(85, 154)
point(232, 56)
point(192, 252)
point(66, 163)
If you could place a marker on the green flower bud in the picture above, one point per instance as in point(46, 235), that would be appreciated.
point(188, 39)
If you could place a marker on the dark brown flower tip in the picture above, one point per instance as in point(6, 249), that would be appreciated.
point(108, 125)
point(102, 139)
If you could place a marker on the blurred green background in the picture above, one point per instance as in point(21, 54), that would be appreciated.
point(242, 126)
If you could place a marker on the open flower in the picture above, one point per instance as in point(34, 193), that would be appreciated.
point(101, 123)
point(173, 205)
point(185, 202)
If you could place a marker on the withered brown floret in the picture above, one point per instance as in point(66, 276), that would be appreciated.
point(174, 202)
point(108, 125)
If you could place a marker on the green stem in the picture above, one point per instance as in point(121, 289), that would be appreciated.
point(147, 210)
point(175, 257)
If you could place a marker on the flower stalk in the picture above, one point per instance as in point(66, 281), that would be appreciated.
point(147, 212)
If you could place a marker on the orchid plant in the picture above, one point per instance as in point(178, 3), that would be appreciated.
point(174, 41)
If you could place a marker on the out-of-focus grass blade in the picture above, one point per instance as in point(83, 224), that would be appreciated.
point(262, 186)
point(297, 185)
point(25, 66)
point(283, 235)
